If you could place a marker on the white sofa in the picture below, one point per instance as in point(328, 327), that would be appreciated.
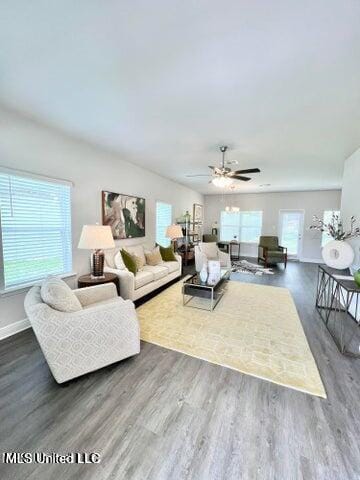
point(210, 251)
point(100, 330)
point(148, 279)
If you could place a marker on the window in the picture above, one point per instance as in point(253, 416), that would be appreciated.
point(243, 226)
point(163, 220)
point(35, 217)
point(327, 218)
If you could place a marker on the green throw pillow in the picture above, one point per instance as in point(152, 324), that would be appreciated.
point(167, 254)
point(129, 261)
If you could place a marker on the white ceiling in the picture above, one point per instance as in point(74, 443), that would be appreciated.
point(167, 81)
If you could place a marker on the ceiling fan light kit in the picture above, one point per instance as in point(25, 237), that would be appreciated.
point(222, 176)
point(222, 182)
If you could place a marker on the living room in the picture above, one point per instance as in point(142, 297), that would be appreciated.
point(179, 240)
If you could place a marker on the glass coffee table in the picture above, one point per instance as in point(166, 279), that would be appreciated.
point(197, 294)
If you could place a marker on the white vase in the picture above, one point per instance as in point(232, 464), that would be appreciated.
point(204, 273)
point(338, 254)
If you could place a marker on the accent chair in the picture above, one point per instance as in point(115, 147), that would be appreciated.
point(80, 331)
point(270, 252)
point(209, 238)
point(210, 251)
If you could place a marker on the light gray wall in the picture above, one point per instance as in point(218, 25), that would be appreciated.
point(350, 199)
point(26, 145)
point(313, 203)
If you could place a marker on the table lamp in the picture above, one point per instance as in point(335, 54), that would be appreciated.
point(96, 238)
point(174, 232)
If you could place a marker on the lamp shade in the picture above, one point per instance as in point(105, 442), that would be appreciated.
point(96, 237)
point(174, 231)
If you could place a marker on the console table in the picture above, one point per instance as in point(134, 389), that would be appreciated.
point(337, 301)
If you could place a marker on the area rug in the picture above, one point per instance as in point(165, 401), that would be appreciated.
point(243, 266)
point(254, 329)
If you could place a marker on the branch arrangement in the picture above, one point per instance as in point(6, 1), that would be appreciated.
point(335, 228)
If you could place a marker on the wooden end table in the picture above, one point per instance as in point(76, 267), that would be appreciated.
point(89, 281)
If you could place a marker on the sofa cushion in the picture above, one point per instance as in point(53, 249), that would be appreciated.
point(172, 266)
point(143, 278)
point(167, 253)
point(139, 262)
point(209, 249)
point(158, 271)
point(119, 262)
point(59, 296)
point(137, 250)
point(153, 257)
point(129, 261)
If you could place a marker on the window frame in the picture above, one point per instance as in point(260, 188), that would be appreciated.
point(25, 286)
point(240, 226)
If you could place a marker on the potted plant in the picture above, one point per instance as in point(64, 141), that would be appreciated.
point(337, 253)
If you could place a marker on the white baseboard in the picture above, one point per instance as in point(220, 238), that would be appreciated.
point(14, 328)
point(312, 260)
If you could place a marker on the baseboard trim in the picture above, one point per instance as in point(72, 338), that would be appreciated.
point(312, 260)
point(14, 328)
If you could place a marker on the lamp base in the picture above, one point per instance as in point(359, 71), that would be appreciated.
point(97, 264)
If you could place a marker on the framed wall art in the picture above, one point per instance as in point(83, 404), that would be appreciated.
point(124, 213)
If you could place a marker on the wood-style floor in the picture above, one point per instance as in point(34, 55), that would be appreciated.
point(164, 415)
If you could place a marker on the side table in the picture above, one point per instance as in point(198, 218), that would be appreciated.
point(89, 281)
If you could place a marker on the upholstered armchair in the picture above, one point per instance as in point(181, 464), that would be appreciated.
point(270, 252)
point(209, 238)
point(98, 328)
point(210, 251)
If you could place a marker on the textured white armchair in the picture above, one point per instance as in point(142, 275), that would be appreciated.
point(210, 251)
point(102, 331)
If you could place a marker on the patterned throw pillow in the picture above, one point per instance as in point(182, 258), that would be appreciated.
point(59, 296)
point(153, 258)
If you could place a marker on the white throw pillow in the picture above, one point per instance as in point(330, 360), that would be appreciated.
point(119, 262)
point(59, 296)
point(210, 249)
point(110, 257)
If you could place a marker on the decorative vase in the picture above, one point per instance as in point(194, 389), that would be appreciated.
point(357, 277)
point(204, 273)
point(338, 254)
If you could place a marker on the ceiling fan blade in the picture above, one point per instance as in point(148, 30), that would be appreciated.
point(199, 175)
point(239, 177)
point(249, 170)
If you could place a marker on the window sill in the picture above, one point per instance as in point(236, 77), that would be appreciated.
point(23, 288)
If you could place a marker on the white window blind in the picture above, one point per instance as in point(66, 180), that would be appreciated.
point(35, 217)
point(241, 226)
point(163, 220)
point(229, 226)
point(327, 218)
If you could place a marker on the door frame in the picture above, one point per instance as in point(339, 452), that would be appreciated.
point(301, 233)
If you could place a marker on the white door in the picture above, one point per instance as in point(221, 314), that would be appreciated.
point(291, 231)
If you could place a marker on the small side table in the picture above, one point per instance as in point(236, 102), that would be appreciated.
point(233, 246)
point(88, 281)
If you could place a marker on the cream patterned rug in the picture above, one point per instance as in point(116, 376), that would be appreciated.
point(254, 329)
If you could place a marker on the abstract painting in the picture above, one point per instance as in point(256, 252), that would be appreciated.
point(124, 213)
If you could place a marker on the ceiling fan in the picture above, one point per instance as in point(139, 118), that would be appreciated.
point(223, 176)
